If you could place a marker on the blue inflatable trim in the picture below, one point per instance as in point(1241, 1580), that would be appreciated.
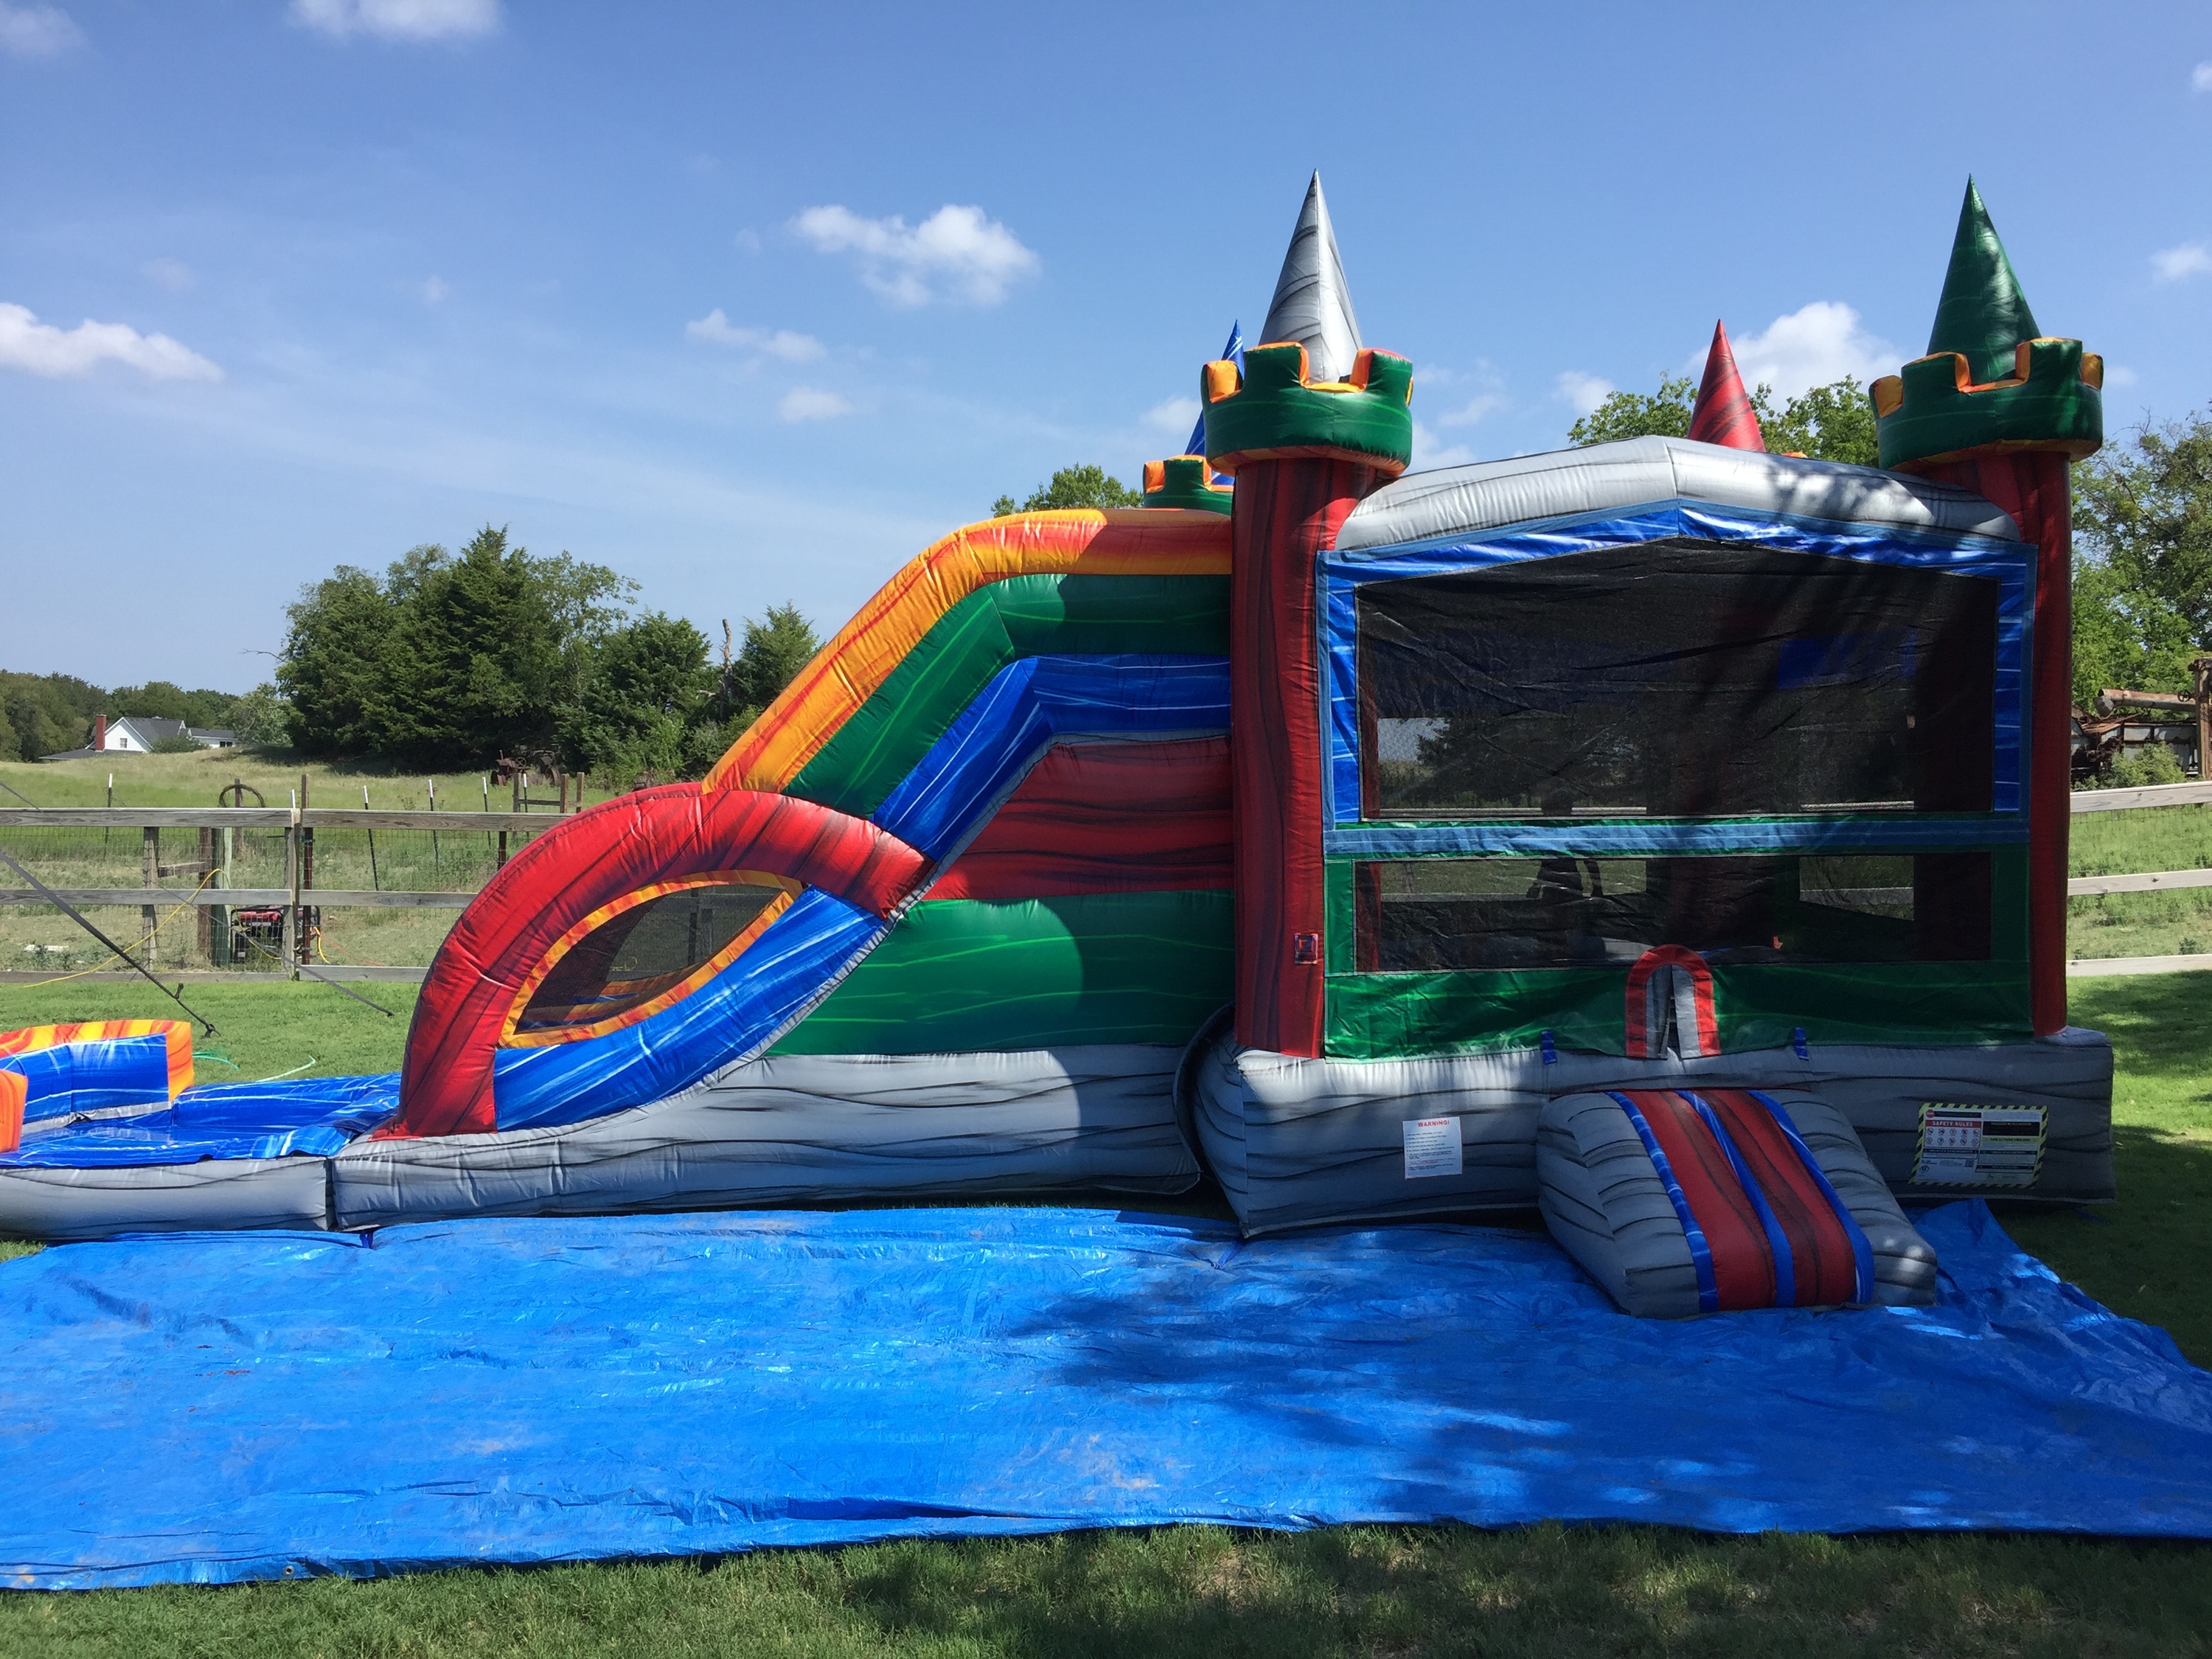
point(214, 1407)
point(311, 1116)
point(794, 962)
point(1034, 703)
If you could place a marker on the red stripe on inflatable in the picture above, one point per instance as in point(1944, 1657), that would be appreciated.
point(1826, 1270)
point(1286, 513)
point(592, 859)
point(1743, 1261)
point(1636, 1038)
point(1105, 818)
point(2032, 487)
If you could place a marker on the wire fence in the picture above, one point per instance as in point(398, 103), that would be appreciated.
point(244, 890)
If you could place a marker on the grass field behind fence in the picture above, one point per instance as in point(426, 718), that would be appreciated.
point(1212, 1593)
point(31, 938)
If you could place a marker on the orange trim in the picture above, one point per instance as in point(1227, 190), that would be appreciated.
point(510, 1037)
point(1889, 395)
point(1156, 476)
point(14, 1090)
point(1383, 464)
point(1963, 376)
point(1220, 380)
point(176, 1032)
point(852, 666)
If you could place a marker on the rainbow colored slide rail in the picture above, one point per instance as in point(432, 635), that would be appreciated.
point(1666, 832)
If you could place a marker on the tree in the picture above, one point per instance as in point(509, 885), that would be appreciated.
point(646, 688)
point(1073, 486)
point(2142, 596)
point(334, 658)
point(473, 666)
point(775, 648)
point(262, 718)
point(1827, 422)
point(1665, 414)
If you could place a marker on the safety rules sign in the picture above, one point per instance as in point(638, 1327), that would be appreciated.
point(1979, 1145)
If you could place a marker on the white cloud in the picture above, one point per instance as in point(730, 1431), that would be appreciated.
point(1487, 397)
point(432, 290)
point(2117, 378)
point(954, 253)
point(1176, 416)
point(399, 20)
point(2190, 259)
point(38, 347)
point(1583, 392)
point(172, 274)
point(806, 403)
point(782, 343)
point(37, 31)
point(1814, 345)
point(1429, 453)
point(2201, 78)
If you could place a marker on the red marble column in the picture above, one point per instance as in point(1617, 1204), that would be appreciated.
point(1287, 513)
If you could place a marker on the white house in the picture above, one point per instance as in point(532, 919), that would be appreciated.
point(137, 734)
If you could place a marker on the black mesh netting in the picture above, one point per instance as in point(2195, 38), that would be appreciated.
point(1418, 914)
point(643, 952)
point(1679, 679)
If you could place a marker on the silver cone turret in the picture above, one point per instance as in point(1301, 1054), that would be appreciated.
point(1312, 303)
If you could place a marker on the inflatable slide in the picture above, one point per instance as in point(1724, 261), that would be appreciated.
point(1665, 834)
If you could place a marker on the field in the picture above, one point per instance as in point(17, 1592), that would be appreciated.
point(1212, 1592)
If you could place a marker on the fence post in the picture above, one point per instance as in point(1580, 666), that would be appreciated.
point(291, 940)
point(149, 863)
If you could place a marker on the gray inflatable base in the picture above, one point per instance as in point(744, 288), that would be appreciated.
point(807, 1129)
point(1609, 1210)
point(215, 1194)
point(1298, 1143)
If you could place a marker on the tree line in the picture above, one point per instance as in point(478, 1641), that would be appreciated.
point(43, 714)
point(453, 660)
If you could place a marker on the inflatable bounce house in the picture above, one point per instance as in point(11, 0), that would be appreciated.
point(1667, 834)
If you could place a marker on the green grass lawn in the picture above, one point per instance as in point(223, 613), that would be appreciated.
point(1211, 1592)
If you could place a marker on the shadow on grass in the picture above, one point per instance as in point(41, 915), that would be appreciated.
point(1210, 1593)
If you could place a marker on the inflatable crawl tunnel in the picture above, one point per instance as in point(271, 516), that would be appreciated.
point(1325, 831)
point(1684, 1201)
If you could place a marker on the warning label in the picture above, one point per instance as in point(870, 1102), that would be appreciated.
point(1979, 1145)
point(1432, 1146)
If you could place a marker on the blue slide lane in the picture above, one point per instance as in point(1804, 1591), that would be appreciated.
point(211, 1407)
point(313, 1116)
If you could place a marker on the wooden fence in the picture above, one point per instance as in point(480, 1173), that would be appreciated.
point(299, 899)
point(208, 859)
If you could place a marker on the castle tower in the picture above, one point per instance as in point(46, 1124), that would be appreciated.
point(1722, 413)
point(1997, 407)
point(1313, 423)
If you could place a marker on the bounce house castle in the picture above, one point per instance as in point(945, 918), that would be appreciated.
point(1667, 834)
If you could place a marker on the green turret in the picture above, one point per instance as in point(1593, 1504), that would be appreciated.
point(1991, 380)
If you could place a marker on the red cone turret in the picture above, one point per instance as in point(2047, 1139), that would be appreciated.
point(1722, 414)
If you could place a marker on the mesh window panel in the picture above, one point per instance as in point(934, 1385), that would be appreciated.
point(641, 952)
point(1680, 680)
point(1430, 913)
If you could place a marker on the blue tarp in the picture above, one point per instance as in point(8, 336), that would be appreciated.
point(314, 1116)
point(223, 1406)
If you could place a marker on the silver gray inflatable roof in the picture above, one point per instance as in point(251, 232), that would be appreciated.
point(1493, 494)
point(1312, 305)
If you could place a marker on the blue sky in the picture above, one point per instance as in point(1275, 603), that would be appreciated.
point(752, 303)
